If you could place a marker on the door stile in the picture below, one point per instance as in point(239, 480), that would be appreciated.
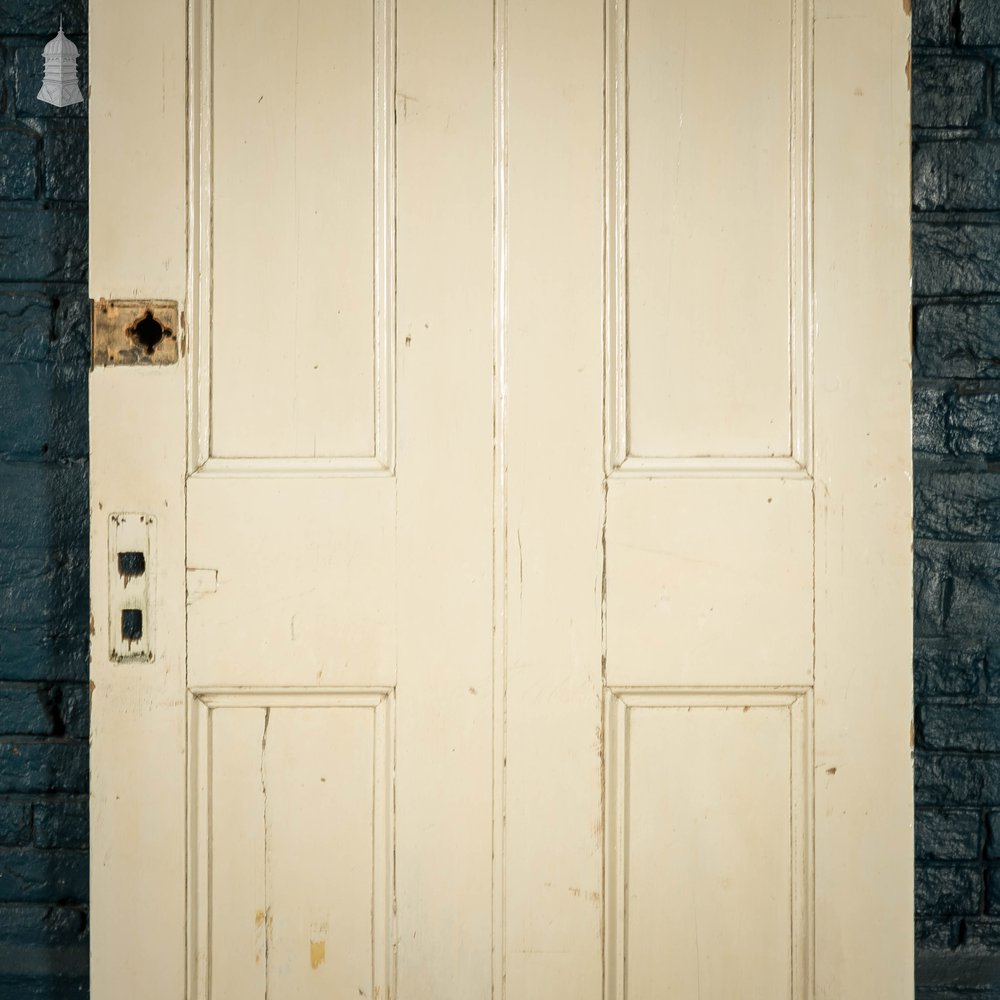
point(863, 624)
point(501, 565)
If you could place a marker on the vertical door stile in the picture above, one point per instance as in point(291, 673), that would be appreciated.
point(501, 541)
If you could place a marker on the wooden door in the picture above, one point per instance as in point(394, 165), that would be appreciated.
point(524, 522)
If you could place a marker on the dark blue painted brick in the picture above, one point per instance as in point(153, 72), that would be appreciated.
point(983, 935)
point(957, 259)
point(948, 91)
point(44, 355)
point(31, 709)
point(41, 17)
point(948, 889)
point(15, 821)
point(73, 326)
point(973, 728)
point(71, 704)
point(45, 504)
point(932, 22)
point(44, 948)
point(930, 583)
point(952, 505)
point(45, 327)
point(43, 245)
point(993, 840)
point(47, 983)
point(66, 163)
point(43, 411)
point(972, 594)
point(993, 891)
point(34, 924)
point(958, 341)
point(956, 176)
point(946, 968)
point(19, 162)
point(973, 423)
point(27, 327)
point(37, 653)
point(38, 588)
point(28, 72)
point(31, 876)
point(980, 22)
point(61, 823)
point(937, 933)
point(957, 590)
point(937, 992)
point(993, 675)
point(948, 834)
point(930, 410)
point(941, 670)
point(37, 766)
point(956, 780)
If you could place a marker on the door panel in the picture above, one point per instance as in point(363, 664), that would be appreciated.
point(530, 546)
point(713, 209)
point(685, 913)
point(293, 842)
point(289, 205)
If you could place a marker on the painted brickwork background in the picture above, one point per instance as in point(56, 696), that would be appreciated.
point(956, 202)
point(44, 332)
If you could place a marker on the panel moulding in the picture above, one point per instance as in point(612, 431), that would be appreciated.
point(618, 706)
point(201, 461)
point(619, 460)
point(203, 704)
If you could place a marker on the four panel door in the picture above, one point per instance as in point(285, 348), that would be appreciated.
point(525, 520)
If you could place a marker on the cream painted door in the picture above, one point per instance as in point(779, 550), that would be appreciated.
point(525, 522)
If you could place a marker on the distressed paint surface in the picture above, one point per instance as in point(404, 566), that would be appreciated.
point(501, 547)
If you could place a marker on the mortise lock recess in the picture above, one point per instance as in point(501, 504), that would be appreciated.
point(130, 587)
point(134, 332)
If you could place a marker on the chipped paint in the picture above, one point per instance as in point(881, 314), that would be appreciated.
point(317, 953)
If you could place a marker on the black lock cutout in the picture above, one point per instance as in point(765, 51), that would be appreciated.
point(131, 564)
point(131, 624)
point(148, 331)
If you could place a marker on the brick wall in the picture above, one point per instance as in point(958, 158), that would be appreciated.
point(43, 515)
point(956, 258)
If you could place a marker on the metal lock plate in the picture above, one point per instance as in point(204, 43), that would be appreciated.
point(134, 332)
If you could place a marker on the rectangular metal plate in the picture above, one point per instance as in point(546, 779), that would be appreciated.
point(134, 332)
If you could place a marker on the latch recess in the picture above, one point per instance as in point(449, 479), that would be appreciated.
point(130, 587)
point(134, 332)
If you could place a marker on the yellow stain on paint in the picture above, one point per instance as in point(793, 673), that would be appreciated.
point(317, 953)
point(259, 932)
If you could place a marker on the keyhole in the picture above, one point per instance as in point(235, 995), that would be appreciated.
point(149, 331)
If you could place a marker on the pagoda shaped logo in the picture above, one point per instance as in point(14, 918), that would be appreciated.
point(59, 85)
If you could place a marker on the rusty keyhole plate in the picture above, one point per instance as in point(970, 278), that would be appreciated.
point(134, 332)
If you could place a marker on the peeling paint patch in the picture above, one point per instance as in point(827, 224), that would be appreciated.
point(317, 953)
